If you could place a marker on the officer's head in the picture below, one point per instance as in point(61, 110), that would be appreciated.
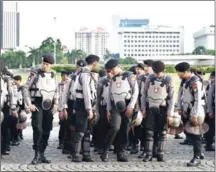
point(102, 73)
point(80, 64)
point(47, 62)
point(92, 61)
point(17, 79)
point(159, 68)
point(183, 70)
point(113, 67)
point(133, 69)
point(212, 76)
point(64, 75)
point(140, 69)
point(148, 66)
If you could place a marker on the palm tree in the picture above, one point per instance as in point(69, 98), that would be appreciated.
point(200, 50)
point(75, 55)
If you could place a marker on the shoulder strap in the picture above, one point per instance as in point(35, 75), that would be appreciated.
point(166, 81)
point(193, 79)
point(105, 82)
point(126, 75)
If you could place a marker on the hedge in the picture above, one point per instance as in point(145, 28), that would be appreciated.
point(169, 68)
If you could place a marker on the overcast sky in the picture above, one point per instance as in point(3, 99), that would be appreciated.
point(37, 17)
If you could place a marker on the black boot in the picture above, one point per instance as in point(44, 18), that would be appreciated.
point(5, 152)
point(15, 143)
point(209, 148)
point(148, 150)
point(121, 157)
point(76, 157)
point(42, 158)
point(135, 149)
point(111, 148)
point(202, 156)
point(194, 162)
point(155, 150)
point(35, 160)
point(87, 158)
point(60, 146)
point(161, 149)
point(100, 151)
point(104, 156)
point(142, 155)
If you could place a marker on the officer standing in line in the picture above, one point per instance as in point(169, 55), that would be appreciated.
point(191, 106)
point(85, 100)
point(7, 105)
point(210, 114)
point(123, 95)
point(135, 131)
point(103, 125)
point(63, 88)
point(157, 104)
point(147, 71)
point(40, 94)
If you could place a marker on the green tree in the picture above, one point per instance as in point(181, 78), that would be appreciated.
point(75, 55)
point(200, 50)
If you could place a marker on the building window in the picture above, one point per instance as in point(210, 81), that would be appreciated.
point(125, 54)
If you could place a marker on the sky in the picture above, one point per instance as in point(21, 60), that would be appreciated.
point(37, 17)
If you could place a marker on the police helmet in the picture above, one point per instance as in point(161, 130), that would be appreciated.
point(136, 119)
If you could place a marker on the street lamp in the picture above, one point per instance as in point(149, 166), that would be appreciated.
point(55, 39)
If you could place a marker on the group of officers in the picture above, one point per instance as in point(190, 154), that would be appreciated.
point(117, 108)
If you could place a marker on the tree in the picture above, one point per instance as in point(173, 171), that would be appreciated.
point(200, 50)
point(75, 55)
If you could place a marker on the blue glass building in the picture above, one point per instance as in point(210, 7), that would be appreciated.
point(133, 22)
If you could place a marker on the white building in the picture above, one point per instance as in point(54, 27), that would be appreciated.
point(92, 41)
point(147, 41)
point(11, 25)
point(205, 37)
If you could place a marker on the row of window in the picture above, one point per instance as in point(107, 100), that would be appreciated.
point(151, 45)
point(168, 36)
point(151, 32)
point(153, 41)
point(141, 55)
point(159, 50)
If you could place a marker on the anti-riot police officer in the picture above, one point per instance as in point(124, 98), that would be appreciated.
point(142, 78)
point(157, 104)
point(211, 113)
point(122, 97)
point(63, 88)
point(40, 94)
point(191, 105)
point(85, 100)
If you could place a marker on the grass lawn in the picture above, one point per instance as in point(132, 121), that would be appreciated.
point(174, 76)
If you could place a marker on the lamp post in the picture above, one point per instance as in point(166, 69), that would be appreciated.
point(54, 39)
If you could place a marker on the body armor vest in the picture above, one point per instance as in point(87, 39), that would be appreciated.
point(71, 94)
point(157, 91)
point(104, 94)
point(78, 88)
point(63, 92)
point(188, 94)
point(4, 92)
point(44, 87)
point(121, 90)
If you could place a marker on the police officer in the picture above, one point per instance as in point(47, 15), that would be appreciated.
point(122, 97)
point(141, 81)
point(85, 100)
point(63, 88)
point(40, 94)
point(71, 99)
point(157, 104)
point(190, 105)
point(19, 114)
point(6, 106)
point(211, 111)
point(102, 94)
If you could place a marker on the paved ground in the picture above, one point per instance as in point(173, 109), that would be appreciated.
point(176, 155)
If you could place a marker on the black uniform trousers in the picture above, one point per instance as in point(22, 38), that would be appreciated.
point(41, 125)
point(196, 140)
point(102, 128)
point(209, 136)
point(118, 132)
point(155, 130)
point(5, 129)
point(14, 130)
point(82, 129)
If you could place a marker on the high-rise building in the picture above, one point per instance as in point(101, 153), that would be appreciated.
point(11, 25)
point(205, 37)
point(92, 41)
point(138, 39)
